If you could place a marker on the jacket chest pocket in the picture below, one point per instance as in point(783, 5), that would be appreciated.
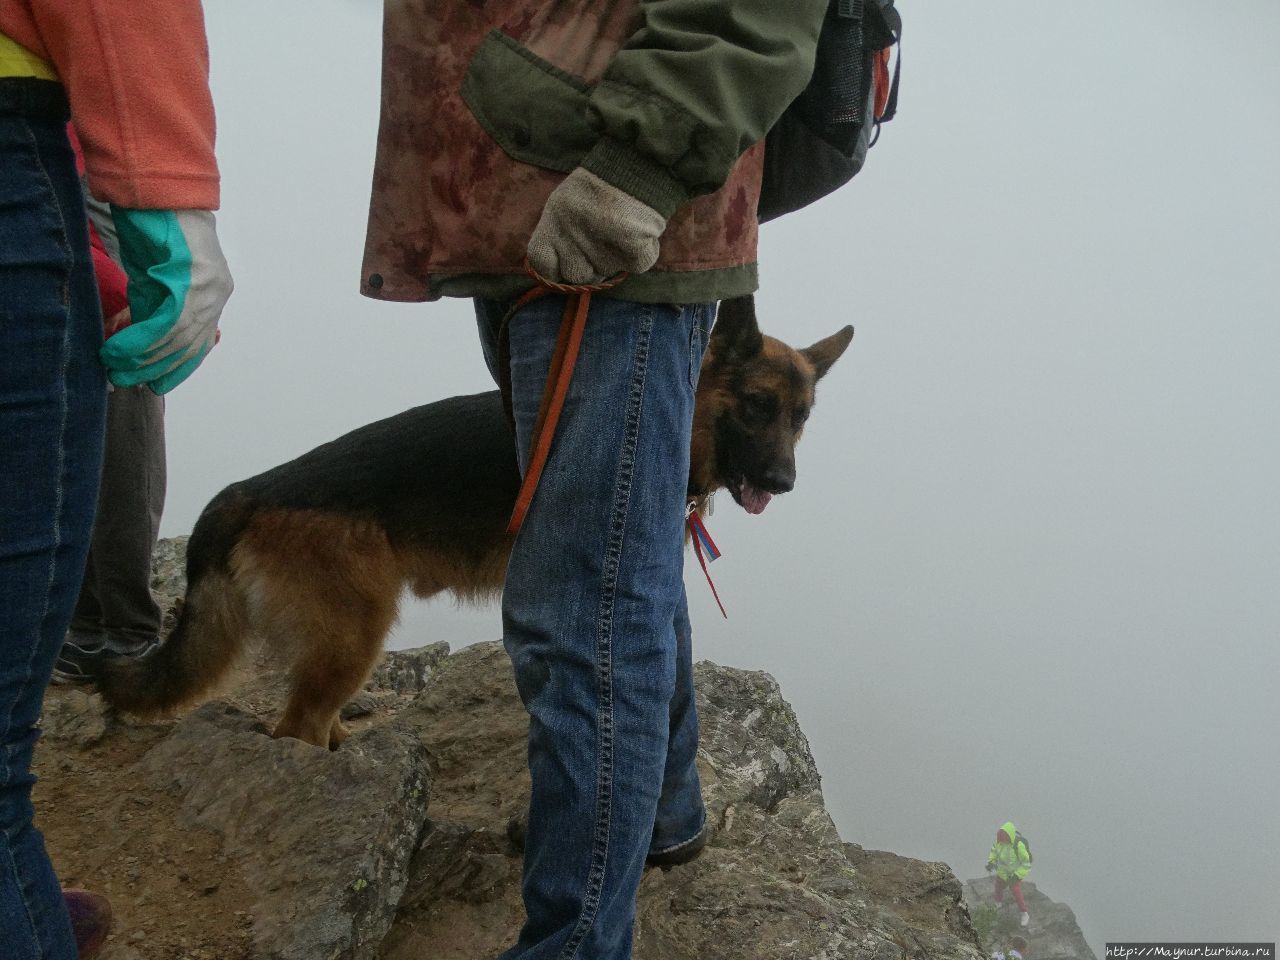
point(536, 112)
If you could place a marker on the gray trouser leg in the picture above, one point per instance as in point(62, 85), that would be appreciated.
point(116, 596)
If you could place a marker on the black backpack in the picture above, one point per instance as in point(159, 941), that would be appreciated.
point(821, 141)
point(1018, 838)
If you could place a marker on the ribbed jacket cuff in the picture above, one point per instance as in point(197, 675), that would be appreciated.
point(649, 182)
point(156, 191)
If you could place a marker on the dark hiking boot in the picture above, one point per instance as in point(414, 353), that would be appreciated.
point(82, 654)
point(515, 833)
point(74, 659)
point(675, 856)
point(90, 921)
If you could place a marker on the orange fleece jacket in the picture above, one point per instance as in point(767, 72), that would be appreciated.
point(137, 76)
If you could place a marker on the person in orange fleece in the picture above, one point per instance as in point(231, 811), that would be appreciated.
point(135, 77)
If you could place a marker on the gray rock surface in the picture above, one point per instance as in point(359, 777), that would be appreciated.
point(776, 881)
point(395, 846)
point(169, 578)
point(409, 670)
point(77, 718)
point(1053, 933)
point(922, 894)
point(322, 839)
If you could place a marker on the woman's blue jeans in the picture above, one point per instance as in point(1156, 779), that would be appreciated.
point(595, 621)
point(52, 402)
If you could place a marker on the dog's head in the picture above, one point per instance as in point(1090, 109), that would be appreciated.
point(754, 396)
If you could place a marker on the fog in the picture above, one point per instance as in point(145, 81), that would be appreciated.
point(1029, 569)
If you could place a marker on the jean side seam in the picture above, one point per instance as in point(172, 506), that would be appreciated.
point(59, 494)
point(695, 351)
point(13, 865)
point(59, 499)
point(604, 638)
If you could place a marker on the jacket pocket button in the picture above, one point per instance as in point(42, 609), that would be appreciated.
point(375, 281)
point(522, 137)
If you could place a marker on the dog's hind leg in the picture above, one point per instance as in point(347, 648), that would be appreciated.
point(324, 600)
point(342, 646)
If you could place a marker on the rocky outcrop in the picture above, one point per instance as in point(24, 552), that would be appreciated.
point(924, 895)
point(1053, 933)
point(321, 841)
point(169, 577)
point(221, 842)
point(776, 881)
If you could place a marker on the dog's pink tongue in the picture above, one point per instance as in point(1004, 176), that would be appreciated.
point(754, 501)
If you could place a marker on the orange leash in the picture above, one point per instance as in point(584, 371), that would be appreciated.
point(574, 322)
point(563, 359)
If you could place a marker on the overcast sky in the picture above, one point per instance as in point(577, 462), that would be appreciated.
point(1029, 570)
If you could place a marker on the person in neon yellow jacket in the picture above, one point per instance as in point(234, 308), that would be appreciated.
point(1010, 861)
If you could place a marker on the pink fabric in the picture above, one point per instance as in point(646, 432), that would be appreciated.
point(137, 76)
point(113, 283)
point(1016, 887)
point(90, 920)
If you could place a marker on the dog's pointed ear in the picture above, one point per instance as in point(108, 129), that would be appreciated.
point(736, 333)
point(826, 352)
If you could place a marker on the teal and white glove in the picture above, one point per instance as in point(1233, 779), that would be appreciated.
point(178, 285)
point(590, 230)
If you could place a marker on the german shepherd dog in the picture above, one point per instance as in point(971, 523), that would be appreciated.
point(312, 555)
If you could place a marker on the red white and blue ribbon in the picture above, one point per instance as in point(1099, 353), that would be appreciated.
point(705, 548)
point(703, 539)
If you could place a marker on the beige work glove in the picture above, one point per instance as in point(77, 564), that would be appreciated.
point(590, 230)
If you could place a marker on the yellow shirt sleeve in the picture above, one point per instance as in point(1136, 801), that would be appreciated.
point(18, 61)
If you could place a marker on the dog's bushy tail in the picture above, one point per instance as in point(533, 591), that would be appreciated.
point(211, 627)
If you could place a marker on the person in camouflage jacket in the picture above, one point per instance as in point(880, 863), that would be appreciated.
point(592, 137)
point(487, 106)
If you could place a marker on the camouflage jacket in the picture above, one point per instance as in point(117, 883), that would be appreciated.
point(486, 105)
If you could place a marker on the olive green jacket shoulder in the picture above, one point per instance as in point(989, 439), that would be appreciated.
point(487, 105)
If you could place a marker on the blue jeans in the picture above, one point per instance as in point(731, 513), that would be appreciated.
point(595, 621)
point(52, 401)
